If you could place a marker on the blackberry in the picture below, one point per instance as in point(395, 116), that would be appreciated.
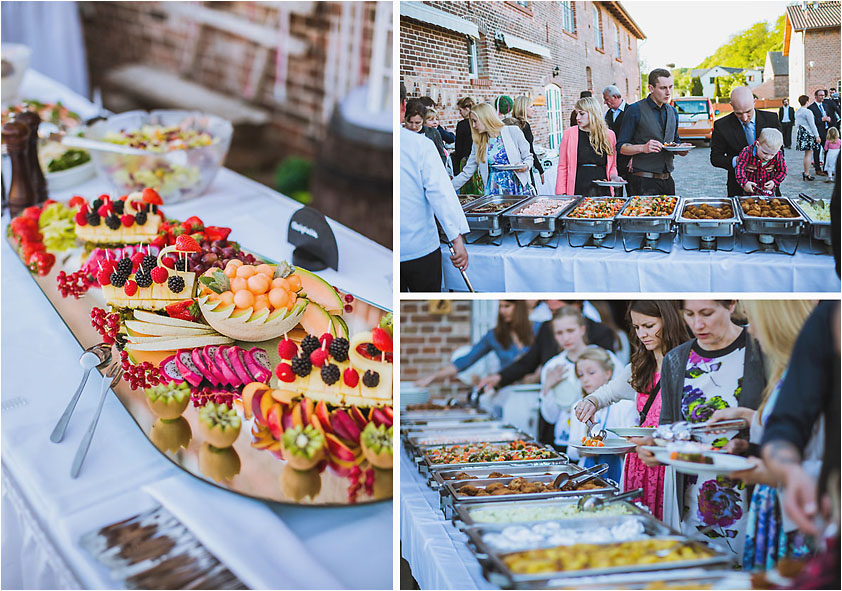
point(330, 374)
point(140, 218)
point(119, 207)
point(93, 218)
point(154, 208)
point(143, 279)
point(176, 284)
point(181, 264)
point(125, 266)
point(371, 378)
point(112, 221)
point(149, 262)
point(301, 365)
point(96, 204)
point(339, 349)
point(371, 350)
point(310, 344)
point(118, 279)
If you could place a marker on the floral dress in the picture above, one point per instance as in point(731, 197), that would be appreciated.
point(501, 182)
point(639, 475)
point(714, 507)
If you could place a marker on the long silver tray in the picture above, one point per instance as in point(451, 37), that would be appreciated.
point(775, 226)
point(490, 221)
point(540, 223)
point(555, 468)
point(578, 225)
point(708, 228)
point(463, 511)
point(820, 228)
point(425, 466)
point(451, 489)
point(648, 224)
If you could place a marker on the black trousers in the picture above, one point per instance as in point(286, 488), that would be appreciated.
point(787, 130)
point(817, 153)
point(421, 275)
point(645, 186)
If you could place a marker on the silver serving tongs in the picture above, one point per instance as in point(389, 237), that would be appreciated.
point(809, 199)
point(729, 424)
point(588, 474)
point(473, 397)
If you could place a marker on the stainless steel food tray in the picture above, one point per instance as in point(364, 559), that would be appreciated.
point(648, 224)
point(464, 200)
point(468, 423)
point(463, 511)
point(454, 413)
point(708, 228)
point(492, 222)
point(774, 226)
point(457, 436)
point(425, 466)
point(537, 223)
point(820, 229)
point(579, 225)
point(554, 467)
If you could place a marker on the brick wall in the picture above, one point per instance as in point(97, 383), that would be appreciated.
point(434, 60)
point(823, 48)
point(428, 340)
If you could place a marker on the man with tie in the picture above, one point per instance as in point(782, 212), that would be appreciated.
point(825, 118)
point(786, 114)
point(614, 118)
point(737, 130)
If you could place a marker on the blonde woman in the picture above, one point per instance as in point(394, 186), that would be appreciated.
point(588, 152)
point(496, 144)
point(520, 117)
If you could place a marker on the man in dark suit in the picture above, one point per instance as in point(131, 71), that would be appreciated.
point(786, 115)
point(825, 117)
point(737, 130)
point(613, 99)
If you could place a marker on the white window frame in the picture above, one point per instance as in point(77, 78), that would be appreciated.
point(473, 58)
point(599, 41)
point(619, 52)
point(568, 16)
point(555, 115)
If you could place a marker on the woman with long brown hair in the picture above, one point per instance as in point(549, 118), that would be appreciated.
point(512, 336)
point(658, 328)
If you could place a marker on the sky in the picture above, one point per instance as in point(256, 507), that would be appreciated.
point(685, 32)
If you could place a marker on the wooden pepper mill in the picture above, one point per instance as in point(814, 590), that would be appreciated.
point(36, 175)
point(15, 135)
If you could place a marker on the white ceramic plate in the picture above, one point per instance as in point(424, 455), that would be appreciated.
point(613, 445)
point(723, 464)
point(610, 183)
point(633, 431)
point(678, 148)
point(506, 166)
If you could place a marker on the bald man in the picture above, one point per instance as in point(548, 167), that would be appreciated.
point(737, 130)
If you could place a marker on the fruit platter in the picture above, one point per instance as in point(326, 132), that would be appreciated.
point(256, 376)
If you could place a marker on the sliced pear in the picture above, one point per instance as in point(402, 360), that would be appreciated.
point(161, 330)
point(158, 319)
point(167, 343)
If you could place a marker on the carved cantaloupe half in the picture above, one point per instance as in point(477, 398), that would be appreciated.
point(246, 325)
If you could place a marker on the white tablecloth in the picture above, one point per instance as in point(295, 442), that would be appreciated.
point(511, 268)
point(333, 547)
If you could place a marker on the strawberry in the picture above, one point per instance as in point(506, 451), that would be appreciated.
point(81, 219)
point(214, 233)
point(151, 196)
point(49, 202)
point(103, 277)
point(159, 274)
point(381, 339)
point(77, 200)
point(285, 373)
point(185, 243)
point(318, 357)
point(105, 197)
point(184, 310)
point(350, 377)
point(127, 219)
point(32, 213)
point(159, 241)
point(124, 197)
point(42, 262)
point(30, 248)
point(287, 349)
point(193, 224)
point(130, 288)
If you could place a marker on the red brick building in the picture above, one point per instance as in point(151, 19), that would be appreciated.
point(812, 42)
point(550, 51)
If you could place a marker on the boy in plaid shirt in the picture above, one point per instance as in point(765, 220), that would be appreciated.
point(761, 167)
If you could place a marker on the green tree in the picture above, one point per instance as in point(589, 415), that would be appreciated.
point(748, 48)
point(717, 91)
point(728, 83)
point(696, 88)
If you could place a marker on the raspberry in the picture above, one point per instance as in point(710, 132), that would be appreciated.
point(330, 374)
point(126, 219)
point(301, 366)
point(112, 221)
point(338, 349)
point(130, 288)
point(351, 377)
point(176, 284)
point(285, 373)
point(326, 339)
point(118, 279)
point(159, 274)
point(104, 210)
point(140, 218)
point(318, 357)
point(93, 218)
point(137, 259)
point(287, 349)
point(149, 262)
point(125, 265)
point(103, 277)
point(309, 344)
point(81, 219)
point(168, 262)
point(371, 378)
point(143, 279)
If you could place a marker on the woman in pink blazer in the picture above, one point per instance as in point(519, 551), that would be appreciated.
point(588, 152)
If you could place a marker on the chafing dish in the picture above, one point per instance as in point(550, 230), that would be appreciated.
point(708, 228)
point(455, 436)
point(820, 229)
point(547, 510)
point(464, 200)
point(582, 225)
point(648, 224)
point(490, 221)
point(553, 467)
point(548, 223)
point(449, 414)
point(769, 225)
point(425, 465)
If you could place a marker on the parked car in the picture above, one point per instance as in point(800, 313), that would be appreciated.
point(695, 117)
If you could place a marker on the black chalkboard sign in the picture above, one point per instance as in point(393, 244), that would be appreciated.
point(315, 244)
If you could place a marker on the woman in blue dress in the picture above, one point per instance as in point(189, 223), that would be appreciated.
point(512, 336)
point(496, 144)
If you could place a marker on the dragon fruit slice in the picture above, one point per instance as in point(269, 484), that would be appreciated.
point(241, 356)
point(169, 368)
point(208, 354)
point(187, 368)
point(226, 370)
point(196, 356)
point(234, 362)
point(258, 364)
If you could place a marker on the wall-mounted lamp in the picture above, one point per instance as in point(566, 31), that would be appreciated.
point(500, 40)
point(556, 72)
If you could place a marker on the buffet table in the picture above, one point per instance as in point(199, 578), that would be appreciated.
point(46, 512)
point(511, 268)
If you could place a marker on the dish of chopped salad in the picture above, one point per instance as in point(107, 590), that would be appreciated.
point(160, 139)
point(55, 113)
point(486, 452)
point(591, 208)
point(654, 206)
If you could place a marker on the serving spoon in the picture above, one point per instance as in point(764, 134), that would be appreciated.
point(95, 356)
point(592, 503)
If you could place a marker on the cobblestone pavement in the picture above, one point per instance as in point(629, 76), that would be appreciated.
point(695, 176)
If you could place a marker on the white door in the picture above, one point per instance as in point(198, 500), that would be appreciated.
point(555, 117)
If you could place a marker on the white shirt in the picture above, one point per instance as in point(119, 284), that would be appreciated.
point(426, 195)
point(619, 110)
point(786, 114)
